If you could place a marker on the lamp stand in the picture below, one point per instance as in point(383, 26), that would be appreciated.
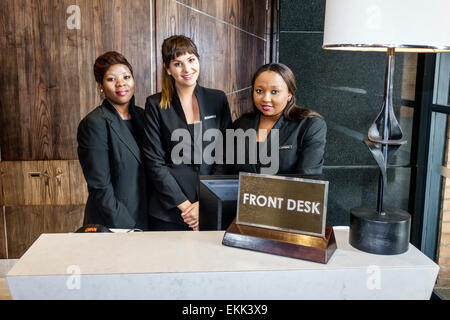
point(384, 230)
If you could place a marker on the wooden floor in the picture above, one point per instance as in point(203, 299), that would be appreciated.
point(4, 292)
point(443, 293)
point(5, 266)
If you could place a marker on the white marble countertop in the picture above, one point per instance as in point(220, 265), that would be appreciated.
point(174, 252)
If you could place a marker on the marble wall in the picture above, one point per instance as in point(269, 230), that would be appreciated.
point(347, 89)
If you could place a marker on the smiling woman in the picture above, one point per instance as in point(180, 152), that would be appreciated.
point(301, 132)
point(109, 149)
point(182, 104)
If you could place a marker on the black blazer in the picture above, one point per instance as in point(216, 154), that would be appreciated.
point(175, 183)
point(113, 167)
point(301, 145)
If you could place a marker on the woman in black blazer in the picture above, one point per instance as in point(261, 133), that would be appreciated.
point(301, 132)
point(180, 114)
point(109, 149)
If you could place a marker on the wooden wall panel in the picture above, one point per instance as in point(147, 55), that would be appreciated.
point(9, 134)
point(25, 224)
point(77, 184)
point(62, 219)
point(2, 188)
point(3, 249)
point(48, 87)
point(242, 102)
point(231, 44)
point(43, 183)
point(20, 188)
point(47, 69)
point(243, 14)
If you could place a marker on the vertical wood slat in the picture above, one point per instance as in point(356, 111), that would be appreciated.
point(87, 52)
point(42, 113)
point(2, 187)
point(65, 89)
point(10, 84)
point(25, 224)
point(48, 82)
point(3, 248)
point(228, 56)
point(60, 183)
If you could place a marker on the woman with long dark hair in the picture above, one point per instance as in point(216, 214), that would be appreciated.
point(183, 108)
point(109, 149)
point(301, 131)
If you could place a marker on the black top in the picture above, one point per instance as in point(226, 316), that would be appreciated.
point(130, 125)
point(111, 159)
point(176, 182)
point(301, 146)
point(191, 128)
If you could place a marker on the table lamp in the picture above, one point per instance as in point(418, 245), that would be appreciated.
point(391, 26)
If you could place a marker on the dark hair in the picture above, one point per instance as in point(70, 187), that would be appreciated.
point(172, 48)
point(105, 61)
point(292, 111)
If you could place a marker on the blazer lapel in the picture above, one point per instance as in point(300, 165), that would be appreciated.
point(278, 125)
point(176, 105)
point(121, 129)
point(198, 91)
point(179, 110)
point(267, 142)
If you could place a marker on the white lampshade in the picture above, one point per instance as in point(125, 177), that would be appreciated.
point(375, 25)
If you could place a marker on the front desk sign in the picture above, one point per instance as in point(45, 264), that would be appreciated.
point(283, 216)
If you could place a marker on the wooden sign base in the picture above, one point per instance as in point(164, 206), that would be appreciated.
point(282, 243)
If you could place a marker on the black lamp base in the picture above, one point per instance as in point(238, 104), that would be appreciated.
point(380, 234)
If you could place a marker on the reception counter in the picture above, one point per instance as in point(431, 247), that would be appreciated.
point(195, 265)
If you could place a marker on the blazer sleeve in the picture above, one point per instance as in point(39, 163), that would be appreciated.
point(93, 154)
point(226, 123)
point(165, 184)
point(312, 147)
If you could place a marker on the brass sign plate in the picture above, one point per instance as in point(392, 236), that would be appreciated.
point(282, 203)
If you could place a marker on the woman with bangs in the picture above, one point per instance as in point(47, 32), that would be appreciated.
point(182, 108)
